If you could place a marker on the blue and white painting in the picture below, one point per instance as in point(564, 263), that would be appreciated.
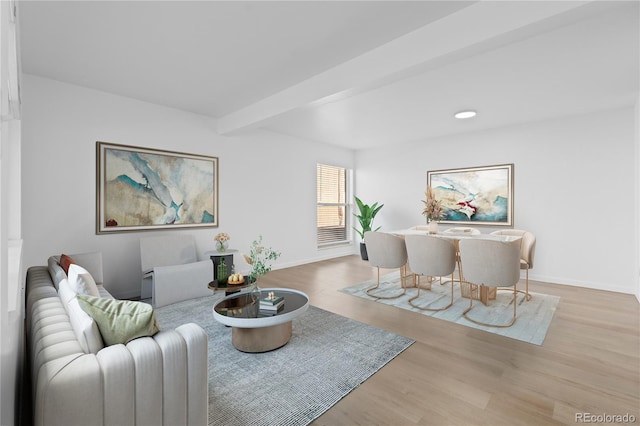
point(479, 195)
point(149, 189)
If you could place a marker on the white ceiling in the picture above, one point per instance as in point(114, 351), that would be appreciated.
point(351, 73)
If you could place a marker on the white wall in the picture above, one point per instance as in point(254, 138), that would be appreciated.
point(637, 191)
point(11, 277)
point(574, 183)
point(267, 181)
point(574, 189)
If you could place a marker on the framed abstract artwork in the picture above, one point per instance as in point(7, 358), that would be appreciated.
point(140, 189)
point(475, 195)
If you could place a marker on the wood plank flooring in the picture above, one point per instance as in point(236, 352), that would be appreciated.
point(456, 375)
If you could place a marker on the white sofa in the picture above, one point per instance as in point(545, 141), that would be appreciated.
point(158, 380)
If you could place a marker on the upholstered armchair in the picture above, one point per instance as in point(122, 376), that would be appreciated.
point(171, 270)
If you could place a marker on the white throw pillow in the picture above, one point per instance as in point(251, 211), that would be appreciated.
point(81, 281)
point(65, 293)
point(85, 328)
point(92, 262)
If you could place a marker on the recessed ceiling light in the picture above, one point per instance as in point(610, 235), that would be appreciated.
point(465, 114)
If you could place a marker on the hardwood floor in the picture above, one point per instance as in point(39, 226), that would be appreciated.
point(456, 375)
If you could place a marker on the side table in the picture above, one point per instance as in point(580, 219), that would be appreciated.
point(217, 256)
point(228, 288)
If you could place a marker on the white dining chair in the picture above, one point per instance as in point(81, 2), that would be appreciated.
point(460, 230)
point(386, 251)
point(527, 251)
point(491, 264)
point(432, 257)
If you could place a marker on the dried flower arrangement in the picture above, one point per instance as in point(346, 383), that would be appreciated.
point(433, 209)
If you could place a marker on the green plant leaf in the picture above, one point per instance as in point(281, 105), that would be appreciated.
point(366, 215)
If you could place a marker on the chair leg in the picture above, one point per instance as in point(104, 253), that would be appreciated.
point(459, 263)
point(515, 304)
point(433, 309)
point(404, 290)
point(527, 296)
point(509, 324)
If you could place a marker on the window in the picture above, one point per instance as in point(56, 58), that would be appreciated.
point(333, 210)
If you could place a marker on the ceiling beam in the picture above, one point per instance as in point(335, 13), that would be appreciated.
point(475, 25)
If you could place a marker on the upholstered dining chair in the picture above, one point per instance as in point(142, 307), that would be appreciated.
point(386, 251)
point(433, 257)
point(527, 251)
point(460, 230)
point(493, 264)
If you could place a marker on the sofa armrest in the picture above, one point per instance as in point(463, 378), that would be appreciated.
point(171, 371)
point(176, 283)
point(68, 392)
point(152, 380)
point(198, 373)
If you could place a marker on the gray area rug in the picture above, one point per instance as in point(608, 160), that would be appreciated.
point(327, 357)
point(533, 317)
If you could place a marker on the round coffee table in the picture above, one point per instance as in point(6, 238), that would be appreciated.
point(253, 330)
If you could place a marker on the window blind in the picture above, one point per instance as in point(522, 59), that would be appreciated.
point(332, 207)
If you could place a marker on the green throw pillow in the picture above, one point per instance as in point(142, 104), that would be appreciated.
point(120, 321)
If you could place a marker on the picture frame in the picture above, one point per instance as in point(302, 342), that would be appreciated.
point(475, 195)
point(144, 189)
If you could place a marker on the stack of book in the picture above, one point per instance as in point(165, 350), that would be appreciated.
point(271, 304)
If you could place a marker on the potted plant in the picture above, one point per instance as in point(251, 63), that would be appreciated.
point(260, 259)
point(365, 218)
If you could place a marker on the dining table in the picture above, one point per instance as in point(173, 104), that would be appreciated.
point(459, 235)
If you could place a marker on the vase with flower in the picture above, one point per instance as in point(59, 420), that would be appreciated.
point(222, 241)
point(260, 259)
point(433, 211)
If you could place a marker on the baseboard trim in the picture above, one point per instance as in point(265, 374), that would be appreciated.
point(578, 283)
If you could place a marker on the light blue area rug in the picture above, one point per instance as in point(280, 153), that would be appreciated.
point(533, 317)
point(327, 357)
